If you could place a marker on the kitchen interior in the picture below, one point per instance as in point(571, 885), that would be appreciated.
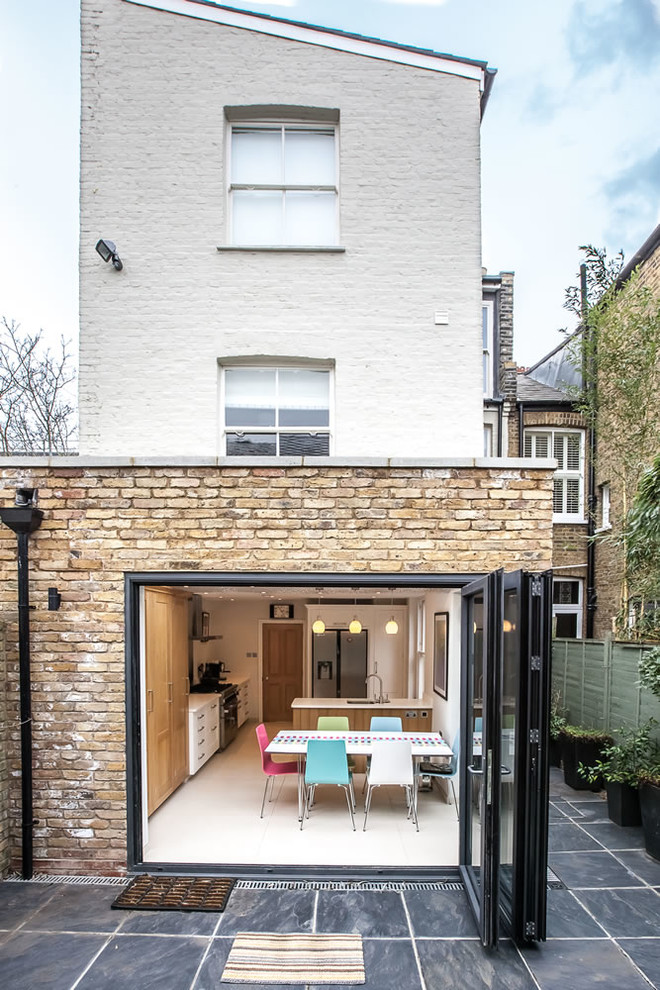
point(218, 660)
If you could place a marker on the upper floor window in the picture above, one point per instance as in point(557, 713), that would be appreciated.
point(276, 412)
point(567, 607)
point(605, 522)
point(568, 449)
point(487, 320)
point(283, 187)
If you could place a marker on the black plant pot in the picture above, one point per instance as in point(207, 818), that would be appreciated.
point(554, 752)
point(576, 751)
point(623, 804)
point(649, 800)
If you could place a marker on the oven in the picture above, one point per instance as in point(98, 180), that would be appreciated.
point(228, 715)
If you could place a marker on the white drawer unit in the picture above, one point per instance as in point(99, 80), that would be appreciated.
point(203, 729)
point(243, 687)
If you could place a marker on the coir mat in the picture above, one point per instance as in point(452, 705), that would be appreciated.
point(149, 893)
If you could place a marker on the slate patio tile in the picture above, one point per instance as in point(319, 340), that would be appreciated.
point(448, 964)
point(377, 914)
point(74, 908)
point(587, 810)
point(147, 962)
point(168, 922)
point(592, 869)
point(31, 960)
point(568, 919)
point(645, 953)
point(556, 812)
point(614, 836)
point(440, 914)
point(569, 838)
point(18, 900)
point(582, 964)
point(389, 964)
point(210, 974)
point(632, 913)
point(268, 911)
point(642, 865)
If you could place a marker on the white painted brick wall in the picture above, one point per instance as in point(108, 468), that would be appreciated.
point(152, 179)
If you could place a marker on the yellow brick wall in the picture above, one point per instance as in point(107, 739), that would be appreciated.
point(4, 763)
point(102, 522)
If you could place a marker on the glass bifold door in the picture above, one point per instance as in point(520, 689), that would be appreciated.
point(504, 752)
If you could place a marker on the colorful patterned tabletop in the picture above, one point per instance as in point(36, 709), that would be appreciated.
point(360, 743)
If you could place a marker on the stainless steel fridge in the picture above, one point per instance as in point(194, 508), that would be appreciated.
point(339, 664)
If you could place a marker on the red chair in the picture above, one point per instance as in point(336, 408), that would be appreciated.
point(268, 765)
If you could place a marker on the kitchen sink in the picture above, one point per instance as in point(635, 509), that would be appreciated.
point(366, 701)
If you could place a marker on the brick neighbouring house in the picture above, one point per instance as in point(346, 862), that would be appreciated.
point(384, 481)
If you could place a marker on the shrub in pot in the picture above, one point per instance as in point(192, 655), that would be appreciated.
point(580, 745)
point(649, 802)
point(619, 767)
point(557, 722)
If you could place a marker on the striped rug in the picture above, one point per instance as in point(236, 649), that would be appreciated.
point(272, 958)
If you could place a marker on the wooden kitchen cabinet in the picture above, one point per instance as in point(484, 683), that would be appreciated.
point(359, 719)
point(167, 689)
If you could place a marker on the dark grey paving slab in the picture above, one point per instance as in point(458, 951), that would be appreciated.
point(168, 922)
point(592, 869)
point(147, 962)
point(642, 865)
point(584, 811)
point(556, 811)
point(582, 965)
point(378, 914)
point(268, 911)
point(210, 974)
point(447, 965)
point(78, 909)
point(569, 837)
point(624, 912)
point(388, 965)
point(646, 954)
point(568, 919)
point(440, 914)
point(614, 836)
point(19, 900)
point(31, 960)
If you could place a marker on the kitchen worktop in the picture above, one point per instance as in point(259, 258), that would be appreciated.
point(412, 703)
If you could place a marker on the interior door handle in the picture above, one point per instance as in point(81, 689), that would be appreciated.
point(504, 771)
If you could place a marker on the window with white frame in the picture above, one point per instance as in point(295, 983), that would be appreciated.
point(567, 446)
point(488, 440)
point(487, 320)
point(283, 188)
point(605, 522)
point(567, 607)
point(276, 412)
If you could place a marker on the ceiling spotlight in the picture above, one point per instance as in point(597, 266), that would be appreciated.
point(108, 251)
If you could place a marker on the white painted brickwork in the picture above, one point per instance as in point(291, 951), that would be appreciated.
point(153, 180)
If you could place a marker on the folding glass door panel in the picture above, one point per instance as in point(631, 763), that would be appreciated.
point(504, 767)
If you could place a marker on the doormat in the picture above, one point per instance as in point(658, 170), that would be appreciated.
point(147, 893)
point(299, 959)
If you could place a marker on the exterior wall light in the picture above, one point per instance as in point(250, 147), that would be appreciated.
point(108, 251)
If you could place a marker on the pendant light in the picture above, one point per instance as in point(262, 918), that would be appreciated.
point(318, 625)
point(392, 627)
point(355, 626)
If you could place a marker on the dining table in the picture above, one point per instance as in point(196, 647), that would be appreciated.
point(293, 742)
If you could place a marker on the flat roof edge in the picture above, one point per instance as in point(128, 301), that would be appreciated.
point(68, 461)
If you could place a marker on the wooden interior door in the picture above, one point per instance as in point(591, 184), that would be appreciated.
point(180, 689)
point(159, 723)
point(282, 669)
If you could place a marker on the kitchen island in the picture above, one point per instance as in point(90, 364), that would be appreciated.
point(415, 713)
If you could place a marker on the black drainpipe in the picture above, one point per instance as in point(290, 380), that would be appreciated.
point(589, 382)
point(24, 519)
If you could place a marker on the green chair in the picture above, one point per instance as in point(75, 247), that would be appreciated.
point(327, 764)
point(336, 723)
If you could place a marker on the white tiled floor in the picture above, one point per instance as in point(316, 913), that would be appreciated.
point(214, 818)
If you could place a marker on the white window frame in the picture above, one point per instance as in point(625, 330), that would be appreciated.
point(282, 124)
point(532, 432)
point(488, 439)
point(488, 314)
point(605, 507)
point(276, 430)
point(570, 609)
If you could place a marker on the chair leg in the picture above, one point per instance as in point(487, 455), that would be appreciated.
point(305, 811)
point(367, 806)
point(413, 805)
point(263, 800)
point(349, 802)
point(350, 784)
point(454, 796)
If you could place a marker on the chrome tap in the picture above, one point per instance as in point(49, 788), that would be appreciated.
point(379, 698)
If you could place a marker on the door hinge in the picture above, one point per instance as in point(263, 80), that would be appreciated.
point(535, 663)
point(534, 735)
point(530, 929)
point(536, 586)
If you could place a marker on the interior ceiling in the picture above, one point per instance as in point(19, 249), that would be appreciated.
point(328, 595)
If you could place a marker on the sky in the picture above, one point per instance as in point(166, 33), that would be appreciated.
point(570, 139)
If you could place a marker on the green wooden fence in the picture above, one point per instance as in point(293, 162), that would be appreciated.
point(598, 682)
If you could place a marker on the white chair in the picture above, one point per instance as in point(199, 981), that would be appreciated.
point(392, 764)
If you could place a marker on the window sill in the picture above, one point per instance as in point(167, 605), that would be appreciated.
point(569, 520)
point(285, 248)
point(603, 529)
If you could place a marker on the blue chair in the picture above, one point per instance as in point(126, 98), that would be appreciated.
point(386, 723)
point(448, 772)
point(327, 764)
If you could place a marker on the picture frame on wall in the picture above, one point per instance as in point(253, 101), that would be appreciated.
point(440, 652)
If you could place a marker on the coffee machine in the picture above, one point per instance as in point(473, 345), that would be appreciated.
point(212, 678)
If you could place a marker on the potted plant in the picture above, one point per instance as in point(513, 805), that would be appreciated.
point(649, 778)
point(558, 720)
point(619, 766)
point(580, 745)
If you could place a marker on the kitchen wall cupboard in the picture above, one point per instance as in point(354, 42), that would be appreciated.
point(167, 688)
point(203, 729)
